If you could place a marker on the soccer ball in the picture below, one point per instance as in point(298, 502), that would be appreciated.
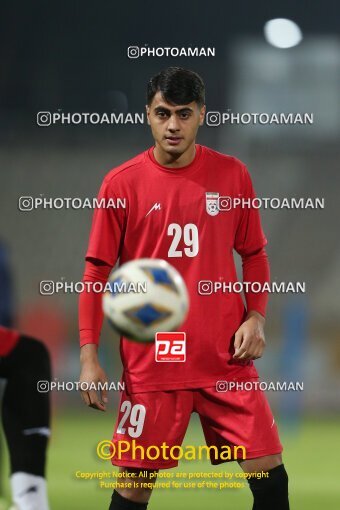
point(145, 296)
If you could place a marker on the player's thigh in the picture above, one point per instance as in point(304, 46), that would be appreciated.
point(259, 464)
point(239, 418)
point(145, 422)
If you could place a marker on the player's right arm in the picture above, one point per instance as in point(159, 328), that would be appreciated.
point(103, 251)
point(92, 372)
point(90, 324)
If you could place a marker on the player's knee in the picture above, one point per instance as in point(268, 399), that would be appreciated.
point(267, 490)
point(38, 350)
point(38, 356)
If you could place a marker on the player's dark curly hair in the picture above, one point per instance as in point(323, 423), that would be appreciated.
point(178, 86)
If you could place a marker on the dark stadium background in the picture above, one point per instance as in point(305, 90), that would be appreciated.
point(71, 56)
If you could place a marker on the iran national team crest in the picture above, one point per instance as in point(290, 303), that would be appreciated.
point(214, 203)
point(211, 203)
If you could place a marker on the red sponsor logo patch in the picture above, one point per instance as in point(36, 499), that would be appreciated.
point(170, 346)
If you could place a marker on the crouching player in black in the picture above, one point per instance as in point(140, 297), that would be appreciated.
point(25, 416)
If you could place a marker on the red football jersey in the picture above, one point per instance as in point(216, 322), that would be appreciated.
point(172, 214)
point(8, 340)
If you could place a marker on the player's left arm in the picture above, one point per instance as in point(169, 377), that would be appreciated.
point(249, 243)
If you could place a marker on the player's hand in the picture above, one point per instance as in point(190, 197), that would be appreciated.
point(249, 338)
point(92, 373)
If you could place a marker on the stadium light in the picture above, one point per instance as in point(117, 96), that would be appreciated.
point(282, 33)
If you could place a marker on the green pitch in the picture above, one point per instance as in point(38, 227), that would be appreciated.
point(310, 458)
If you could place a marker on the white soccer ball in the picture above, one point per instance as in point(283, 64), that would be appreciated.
point(145, 296)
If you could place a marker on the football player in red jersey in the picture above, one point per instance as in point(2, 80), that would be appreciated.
point(24, 361)
point(172, 192)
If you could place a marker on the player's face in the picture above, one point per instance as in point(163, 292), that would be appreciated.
point(174, 127)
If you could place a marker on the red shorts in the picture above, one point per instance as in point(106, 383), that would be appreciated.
point(230, 418)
